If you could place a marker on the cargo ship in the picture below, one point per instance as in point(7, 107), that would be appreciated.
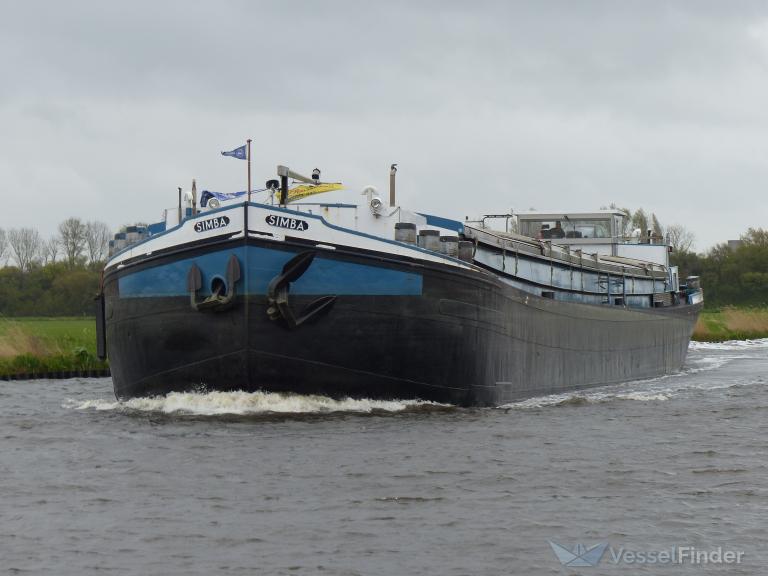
point(304, 287)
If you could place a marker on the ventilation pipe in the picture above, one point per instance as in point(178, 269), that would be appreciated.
point(449, 245)
point(405, 232)
point(466, 250)
point(392, 173)
point(429, 240)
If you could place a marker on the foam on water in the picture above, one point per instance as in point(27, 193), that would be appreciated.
point(248, 403)
point(595, 397)
point(730, 345)
point(705, 363)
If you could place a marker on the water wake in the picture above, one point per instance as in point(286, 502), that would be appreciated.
point(659, 389)
point(594, 397)
point(732, 345)
point(249, 403)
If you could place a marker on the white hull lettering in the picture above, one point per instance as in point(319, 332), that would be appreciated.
point(286, 222)
point(211, 224)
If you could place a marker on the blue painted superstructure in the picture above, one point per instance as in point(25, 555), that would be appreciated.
point(447, 223)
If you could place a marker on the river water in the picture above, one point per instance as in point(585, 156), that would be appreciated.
point(265, 484)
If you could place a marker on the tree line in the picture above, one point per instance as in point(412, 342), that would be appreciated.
point(54, 276)
point(731, 276)
point(76, 243)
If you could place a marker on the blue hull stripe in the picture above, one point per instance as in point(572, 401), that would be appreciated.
point(324, 276)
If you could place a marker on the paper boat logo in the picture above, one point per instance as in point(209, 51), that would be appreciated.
point(579, 555)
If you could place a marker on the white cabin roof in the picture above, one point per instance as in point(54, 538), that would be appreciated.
point(597, 214)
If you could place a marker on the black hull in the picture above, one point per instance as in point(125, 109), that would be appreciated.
point(467, 339)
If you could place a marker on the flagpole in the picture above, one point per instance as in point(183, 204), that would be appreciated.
point(249, 169)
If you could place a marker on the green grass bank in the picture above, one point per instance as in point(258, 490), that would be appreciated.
point(35, 346)
point(732, 324)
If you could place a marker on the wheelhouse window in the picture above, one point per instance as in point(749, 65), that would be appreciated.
point(566, 228)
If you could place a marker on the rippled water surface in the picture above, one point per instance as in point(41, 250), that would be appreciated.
point(266, 484)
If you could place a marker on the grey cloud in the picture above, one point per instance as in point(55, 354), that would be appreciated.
point(106, 107)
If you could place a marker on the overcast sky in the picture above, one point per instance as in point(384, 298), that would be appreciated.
point(107, 107)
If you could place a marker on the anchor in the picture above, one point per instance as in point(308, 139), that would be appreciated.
point(216, 302)
point(277, 293)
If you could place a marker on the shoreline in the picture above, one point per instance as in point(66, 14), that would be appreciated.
point(61, 375)
point(735, 337)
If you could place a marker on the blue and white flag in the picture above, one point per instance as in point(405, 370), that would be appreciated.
point(220, 196)
point(237, 153)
